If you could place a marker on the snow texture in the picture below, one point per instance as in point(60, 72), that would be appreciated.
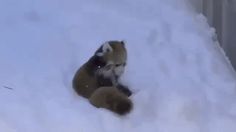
point(181, 79)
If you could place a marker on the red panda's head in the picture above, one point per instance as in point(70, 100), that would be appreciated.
point(114, 54)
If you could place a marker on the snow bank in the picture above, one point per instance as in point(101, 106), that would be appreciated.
point(180, 77)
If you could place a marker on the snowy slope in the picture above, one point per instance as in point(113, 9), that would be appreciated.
point(180, 77)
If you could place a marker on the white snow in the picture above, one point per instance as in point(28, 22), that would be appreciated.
point(181, 79)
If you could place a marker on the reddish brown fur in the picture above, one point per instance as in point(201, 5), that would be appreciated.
point(111, 98)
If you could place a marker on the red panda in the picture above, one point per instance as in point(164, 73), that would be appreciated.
point(103, 69)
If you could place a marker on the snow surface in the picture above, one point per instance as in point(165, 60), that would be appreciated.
point(181, 79)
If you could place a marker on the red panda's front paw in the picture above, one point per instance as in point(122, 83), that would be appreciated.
point(124, 89)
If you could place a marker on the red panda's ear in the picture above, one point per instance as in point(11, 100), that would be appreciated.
point(105, 48)
point(122, 42)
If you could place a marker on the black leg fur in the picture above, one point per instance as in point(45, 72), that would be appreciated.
point(124, 89)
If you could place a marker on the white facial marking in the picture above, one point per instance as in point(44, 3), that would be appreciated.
point(119, 70)
point(105, 73)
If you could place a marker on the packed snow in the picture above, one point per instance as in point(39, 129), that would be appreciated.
point(181, 79)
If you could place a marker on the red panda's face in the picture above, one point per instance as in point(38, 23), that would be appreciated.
point(115, 55)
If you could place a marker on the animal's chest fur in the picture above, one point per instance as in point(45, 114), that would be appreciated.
point(102, 81)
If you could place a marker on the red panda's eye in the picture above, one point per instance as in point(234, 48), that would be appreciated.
point(117, 65)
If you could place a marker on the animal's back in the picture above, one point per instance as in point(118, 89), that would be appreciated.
point(83, 83)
